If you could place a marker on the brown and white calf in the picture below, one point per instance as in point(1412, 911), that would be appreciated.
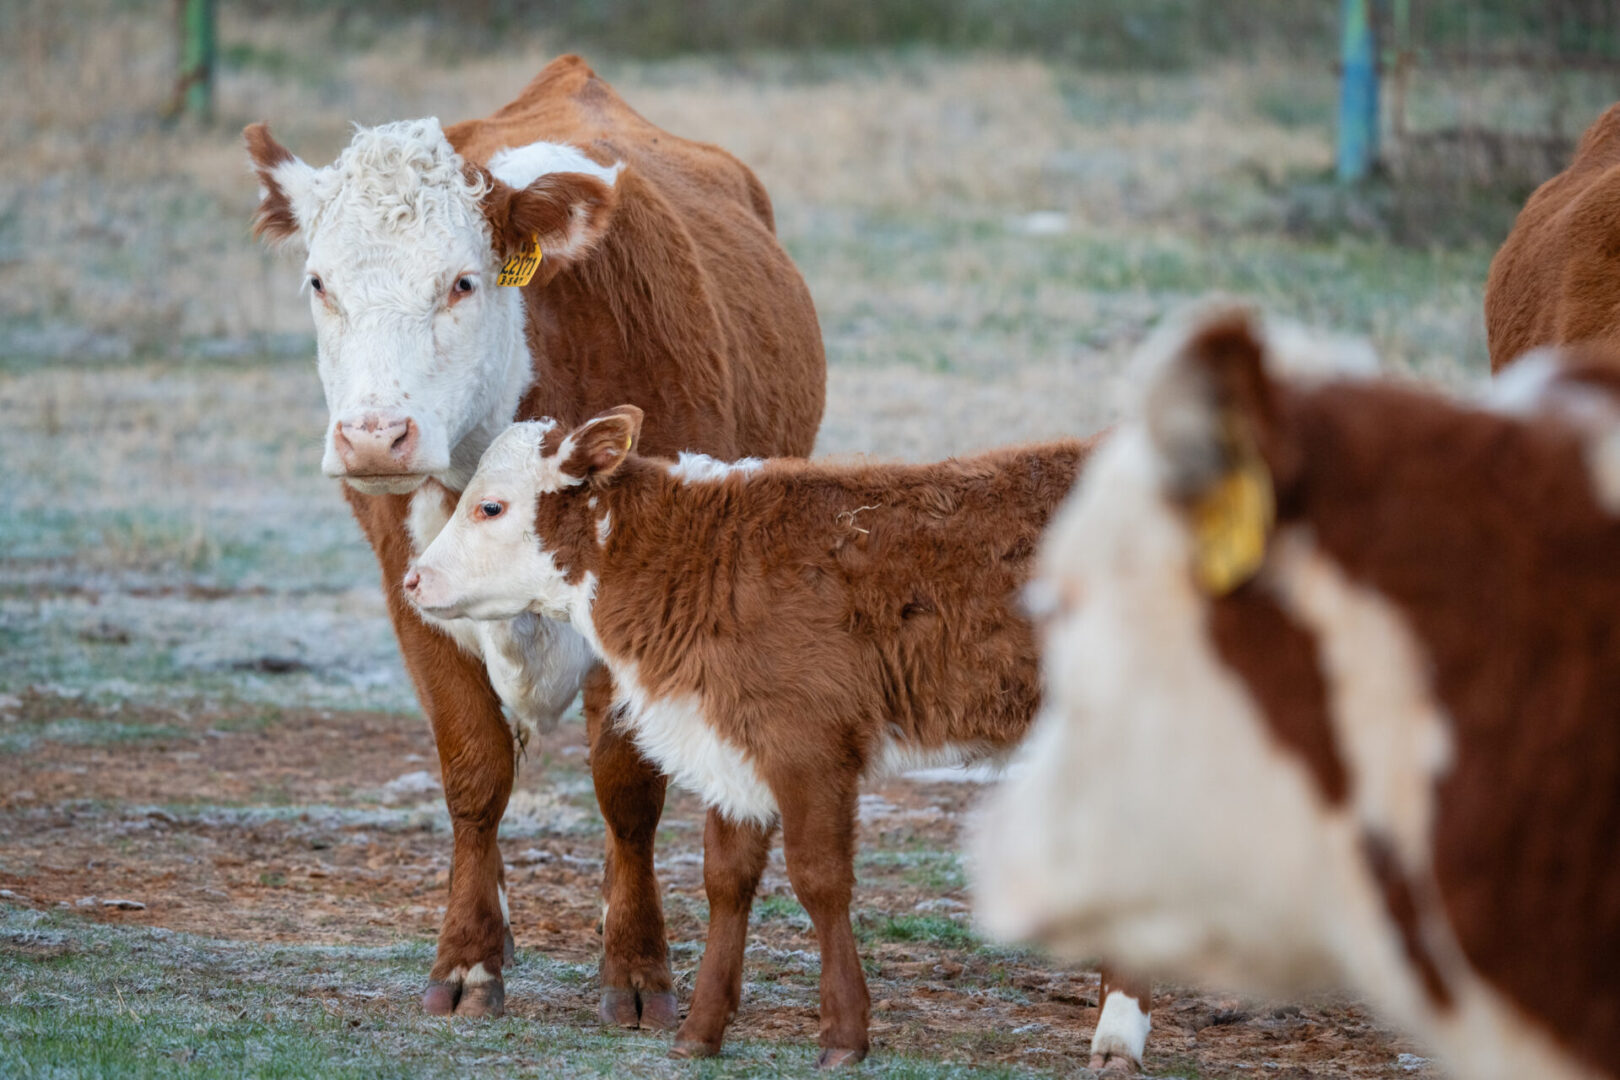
point(1351, 651)
point(660, 282)
point(776, 630)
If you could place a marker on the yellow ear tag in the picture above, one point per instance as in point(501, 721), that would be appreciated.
point(1230, 526)
point(519, 269)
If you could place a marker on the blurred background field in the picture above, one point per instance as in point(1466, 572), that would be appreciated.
point(993, 201)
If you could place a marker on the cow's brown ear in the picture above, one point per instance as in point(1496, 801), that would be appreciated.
point(1211, 416)
point(601, 444)
point(284, 182)
point(1211, 402)
point(568, 212)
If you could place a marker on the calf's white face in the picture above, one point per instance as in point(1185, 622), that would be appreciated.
point(421, 354)
point(488, 562)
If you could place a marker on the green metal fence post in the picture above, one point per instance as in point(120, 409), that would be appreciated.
point(1358, 92)
point(197, 58)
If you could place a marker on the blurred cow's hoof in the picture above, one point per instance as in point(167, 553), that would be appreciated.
point(834, 1058)
point(1115, 1064)
point(691, 1049)
point(486, 999)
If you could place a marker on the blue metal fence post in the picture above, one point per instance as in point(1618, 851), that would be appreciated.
point(1358, 92)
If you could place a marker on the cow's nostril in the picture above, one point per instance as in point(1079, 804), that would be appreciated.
point(413, 578)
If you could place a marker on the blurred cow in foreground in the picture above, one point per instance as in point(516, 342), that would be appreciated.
point(1351, 652)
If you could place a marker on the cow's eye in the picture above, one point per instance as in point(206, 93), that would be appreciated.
point(464, 285)
point(489, 509)
point(316, 284)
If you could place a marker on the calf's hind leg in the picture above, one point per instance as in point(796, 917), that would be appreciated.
point(637, 990)
point(818, 839)
point(734, 857)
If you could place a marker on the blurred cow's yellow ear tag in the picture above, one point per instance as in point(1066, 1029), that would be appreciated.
point(1230, 525)
point(519, 269)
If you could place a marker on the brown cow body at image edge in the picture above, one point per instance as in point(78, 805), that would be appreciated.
point(1386, 755)
point(660, 282)
point(777, 631)
point(1556, 279)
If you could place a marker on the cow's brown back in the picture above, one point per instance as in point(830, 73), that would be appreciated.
point(689, 307)
point(1556, 280)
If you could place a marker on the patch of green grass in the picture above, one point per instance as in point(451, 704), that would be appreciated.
point(781, 909)
point(83, 999)
point(75, 731)
point(930, 868)
point(930, 929)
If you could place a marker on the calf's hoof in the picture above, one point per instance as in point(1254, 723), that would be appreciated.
point(660, 1011)
point(1114, 1064)
point(834, 1058)
point(439, 999)
point(690, 1049)
point(639, 1009)
point(460, 997)
point(487, 999)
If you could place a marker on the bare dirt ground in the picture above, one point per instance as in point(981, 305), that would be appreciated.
point(312, 827)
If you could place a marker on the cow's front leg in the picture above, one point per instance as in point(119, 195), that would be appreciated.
point(637, 989)
point(476, 759)
point(1124, 1019)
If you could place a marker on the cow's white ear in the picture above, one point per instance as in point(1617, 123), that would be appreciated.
point(567, 211)
point(285, 186)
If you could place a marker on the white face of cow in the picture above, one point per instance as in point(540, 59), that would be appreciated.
point(488, 562)
point(422, 355)
point(492, 560)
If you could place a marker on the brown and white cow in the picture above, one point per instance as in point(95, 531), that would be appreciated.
point(1556, 279)
point(777, 631)
point(1350, 650)
point(660, 282)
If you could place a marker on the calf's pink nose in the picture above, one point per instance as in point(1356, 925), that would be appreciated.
point(413, 579)
point(375, 445)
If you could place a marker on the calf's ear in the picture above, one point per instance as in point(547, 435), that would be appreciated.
point(567, 212)
point(284, 185)
point(596, 449)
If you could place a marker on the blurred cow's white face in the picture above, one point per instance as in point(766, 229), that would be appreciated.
point(1152, 821)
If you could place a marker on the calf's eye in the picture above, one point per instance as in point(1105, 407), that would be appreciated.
point(491, 509)
point(464, 285)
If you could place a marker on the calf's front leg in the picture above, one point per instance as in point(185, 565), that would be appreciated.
point(734, 857)
point(1124, 1017)
point(637, 988)
point(818, 840)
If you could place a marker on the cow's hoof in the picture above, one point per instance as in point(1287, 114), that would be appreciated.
point(486, 999)
point(660, 1012)
point(1114, 1064)
point(688, 1049)
point(834, 1058)
point(440, 997)
point(510, 952)
point(618, 1007)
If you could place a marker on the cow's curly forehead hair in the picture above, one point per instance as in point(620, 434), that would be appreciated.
point(400, 177)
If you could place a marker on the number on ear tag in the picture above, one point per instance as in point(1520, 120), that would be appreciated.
point(1230, 526)
point(519, 269)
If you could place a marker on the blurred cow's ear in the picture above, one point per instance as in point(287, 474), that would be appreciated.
point(567, 212)
point(1211, 416)
point(1211, 404)
point(596, 449)
point(284, 185)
